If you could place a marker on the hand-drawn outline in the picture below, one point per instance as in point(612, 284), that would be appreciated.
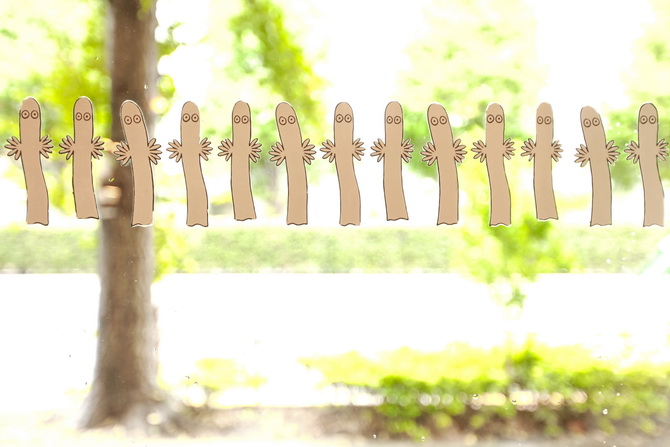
point(242, 149)
point(28, 147)
point(647, 152)
point(140, 152)
point(84, 147)
point(494, 152)
point(296, 152)
point(599, 154)
point(447, 152)
point(541, 152)
point(343, 149)
point(189, 151)
point(393, 150)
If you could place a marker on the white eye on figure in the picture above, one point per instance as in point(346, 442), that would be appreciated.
point(490, 119)
point(237, 119)
point(186, 118)
point(547, 120)
point(291, 119)
point(137, 119)
point(25, 114)
point(245, 119)
point(587, 122)
point(443, 120)
point(128, 119)
point(78, 116)
point(596, 121)
point(652, 119)
point(282, 120)
point(540, 120)
point(397, 120)
point(339, 118)
point(87, 116)
point(499, 119)
point(389, 119)
point(434, 121)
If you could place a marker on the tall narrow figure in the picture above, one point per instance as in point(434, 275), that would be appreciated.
point(28, 147)
point(647, 152)
point(494, 152)
point(296, 152)
point(140, 152)
point(343, 149)
point(541, 152)
point(393, 150)
point(599, 153)
point(189, 151)
point(83, 147)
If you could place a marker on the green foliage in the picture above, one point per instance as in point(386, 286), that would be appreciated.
point(502, 66)
point(33, 250)
point(267, 65)
point(649, 70)
point(217, 375)
point(263, 249)
point(486, 390)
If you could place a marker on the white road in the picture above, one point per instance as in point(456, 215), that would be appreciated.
point(268, 321)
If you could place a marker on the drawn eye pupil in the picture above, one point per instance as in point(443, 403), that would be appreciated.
point(587, 123)
point(245, 119)
point(236, 119)
point(78, 116)
point(186, 117)
point(540, 120)
point(397, 120)
point(443, 120)
point(282, 120)
point(137, 118)
point(490, 119)
point(87, 116)
point(348, 118)
point(389, 119)
point(195, 118)
point(338, 118)
point(596, 121)
point(643, 119)
point(652, 119)
point(291, 119)
point(128, 120)
point(433, 121)
point(499, 118)
point(547, 120)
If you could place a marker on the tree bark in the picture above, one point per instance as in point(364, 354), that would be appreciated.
point(124, 389)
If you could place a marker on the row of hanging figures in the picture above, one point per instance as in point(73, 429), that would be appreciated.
point(140, 152)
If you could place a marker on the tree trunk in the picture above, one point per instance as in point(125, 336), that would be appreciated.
point(124, 389)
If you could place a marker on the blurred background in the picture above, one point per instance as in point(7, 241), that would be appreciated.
point(541, 333)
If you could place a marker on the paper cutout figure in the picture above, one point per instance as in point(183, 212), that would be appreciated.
point(140, 152)
point(343, 149)
point(599, 154)
point(84, 146)
point(189, 151)
point(541, 152)
point(296, 152)
point(394, 150)
point(241, 149)
point(447, 152)
point(647, 152)
point(494, 152)
point(28, 147)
